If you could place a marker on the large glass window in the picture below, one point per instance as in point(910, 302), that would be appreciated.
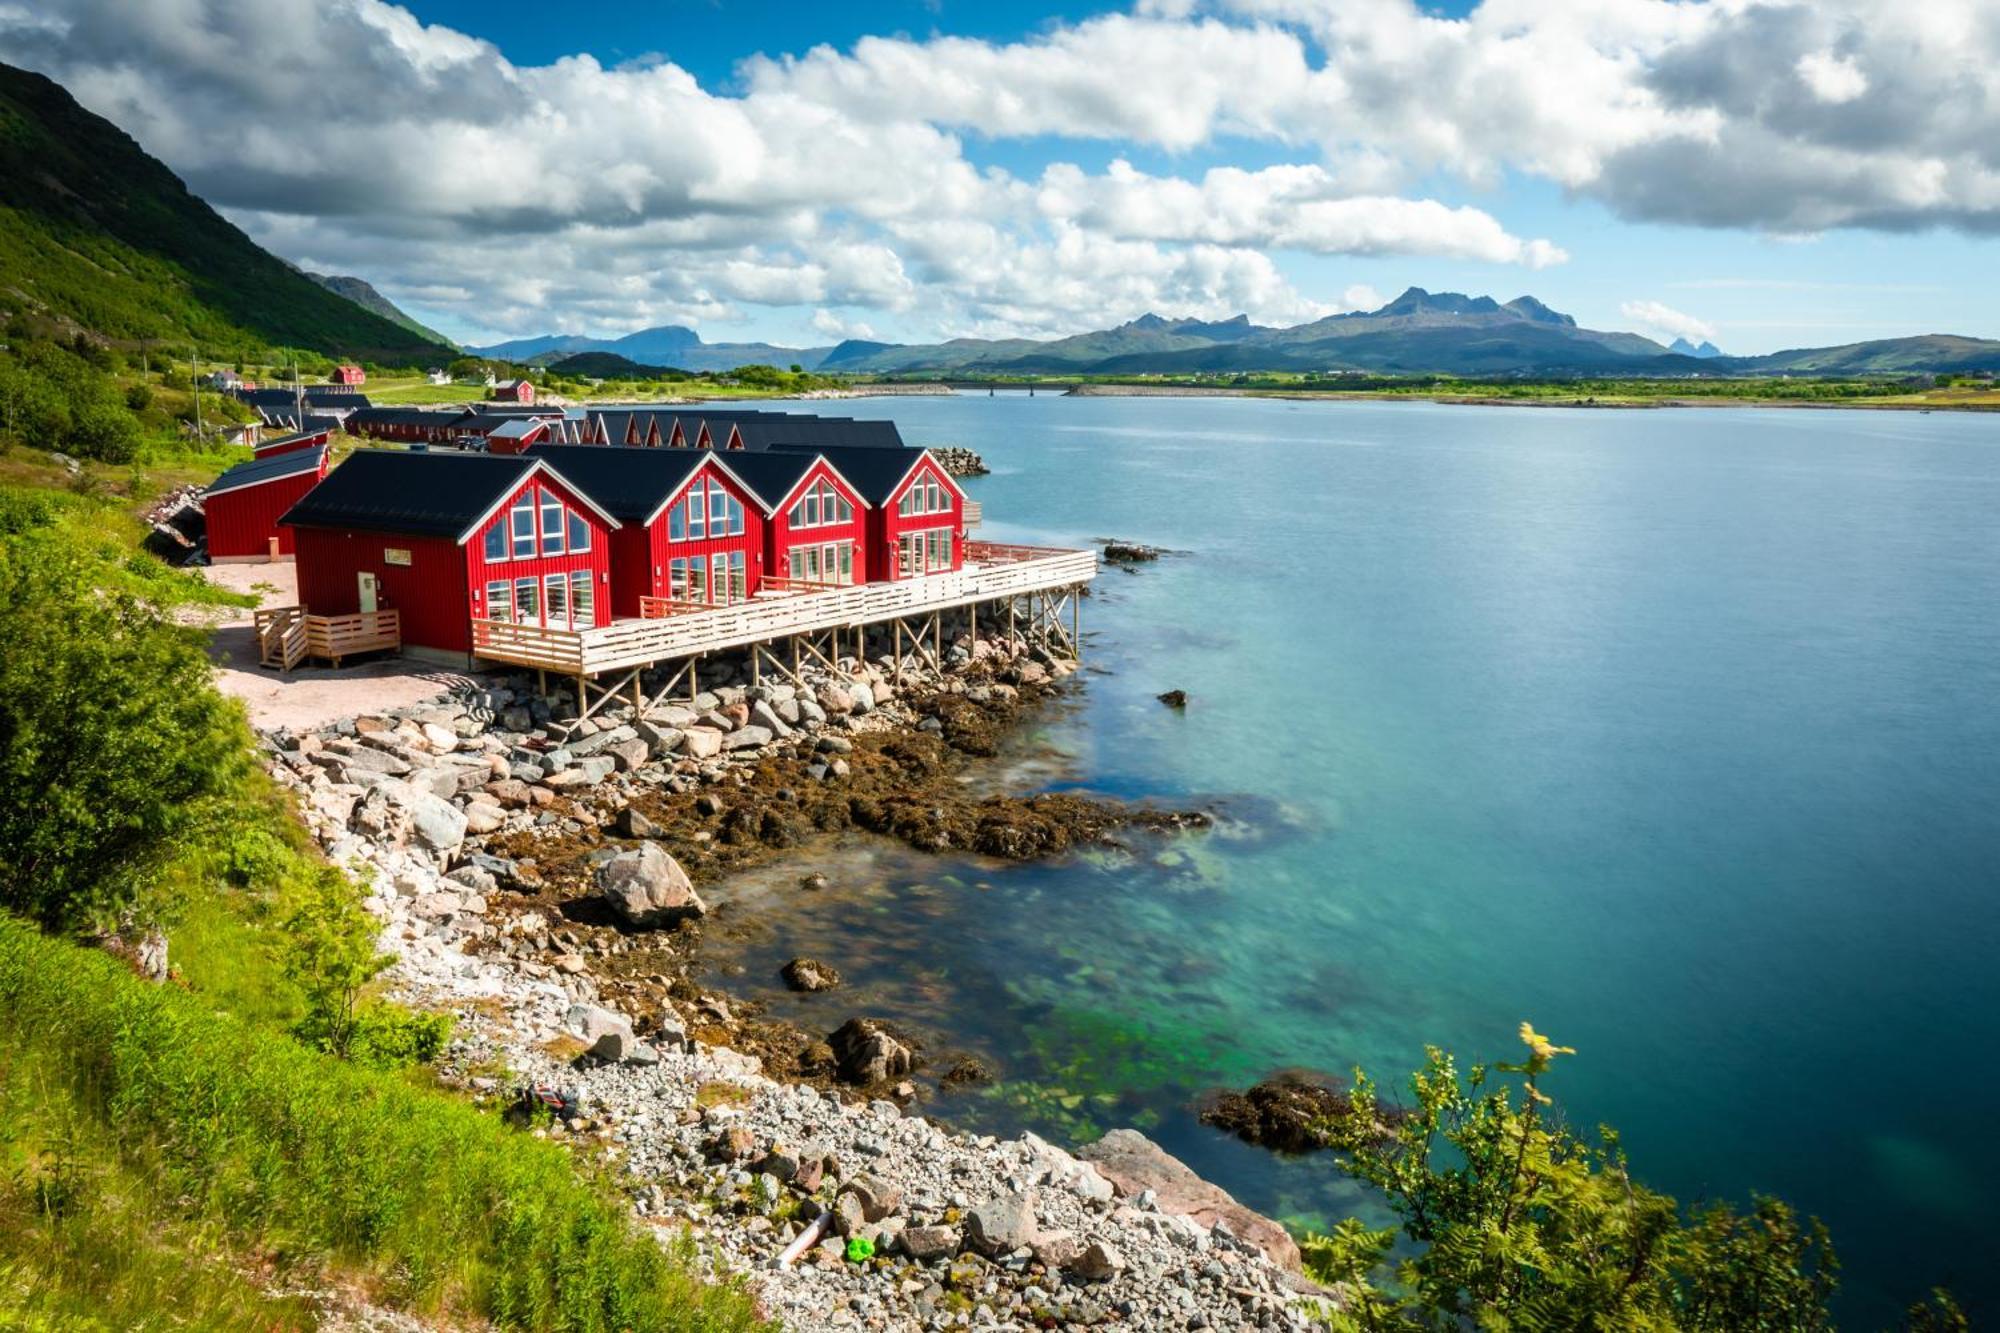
point(522, 521)
point(677, 579)
point(499, 598)
point(718, 511)
point(552, 524)
point(579, 532)
point(697, 514)
point(496, 539)
point(582, 600)
point(527, 602)
point(820, 506)
point(555, 604)
point(677, 524)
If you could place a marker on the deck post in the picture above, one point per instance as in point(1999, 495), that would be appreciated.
point(1076, 623)
point(898, 624)
point(638, 694)
point(694, 677)
point(973, 612)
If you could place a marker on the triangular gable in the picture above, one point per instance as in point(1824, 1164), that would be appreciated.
point(695, 474)
point(917, 465)
point(540, 469)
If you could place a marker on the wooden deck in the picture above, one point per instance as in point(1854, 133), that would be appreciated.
point(673, 630)
point(287, 635)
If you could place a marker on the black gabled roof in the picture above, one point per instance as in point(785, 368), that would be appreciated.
point(770, 476)
point(401, 416)
point(628, 484)
point(422, 494)
point(784, 429)
point(278, 442)
point(875, 472)
point(260, 470)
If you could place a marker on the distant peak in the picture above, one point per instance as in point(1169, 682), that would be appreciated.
point(1148, 321)
point(1529, 308)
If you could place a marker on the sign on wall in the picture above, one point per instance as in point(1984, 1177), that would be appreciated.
point(395, 555)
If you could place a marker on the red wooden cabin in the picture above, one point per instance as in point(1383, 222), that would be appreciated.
point(243, 505)
point(299, 442)
point(513, 391)
point(692, 531)
point(816, 520)
point(449, 538)
point(349, 375)
point(916, 512)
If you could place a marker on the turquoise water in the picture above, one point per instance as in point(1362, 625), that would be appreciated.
point(1676, 732)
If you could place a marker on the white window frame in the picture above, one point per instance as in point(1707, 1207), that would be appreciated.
point(528, 601)
point(577, 532)
point(500, 600)
point(552, 532)
point(522, 508)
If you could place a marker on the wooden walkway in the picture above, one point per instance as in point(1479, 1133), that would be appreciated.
point(287, 635)
point(992, 573)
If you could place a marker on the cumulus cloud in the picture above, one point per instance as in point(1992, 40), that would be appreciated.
point(1667, 322)
point(511, 198)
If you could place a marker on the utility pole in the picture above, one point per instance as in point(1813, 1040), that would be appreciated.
point(194, 378)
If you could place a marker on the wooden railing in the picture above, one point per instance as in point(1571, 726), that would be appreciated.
point(281, 636)
point(992, 572)
point(287, 635)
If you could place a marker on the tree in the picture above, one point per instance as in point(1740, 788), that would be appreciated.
point(114, 749)
point(1514, 1221)
point(332, 957)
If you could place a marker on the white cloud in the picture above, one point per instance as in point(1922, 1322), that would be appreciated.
point(514, 198)
point(1667, 322)
point(1832, 78)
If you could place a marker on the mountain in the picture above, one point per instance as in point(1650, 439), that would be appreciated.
point(97, 234)
point(667, 345)
point(1682, 347)
point(1886, 356)
point(363, 293)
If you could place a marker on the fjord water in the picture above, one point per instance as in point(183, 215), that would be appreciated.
point(1674, 731)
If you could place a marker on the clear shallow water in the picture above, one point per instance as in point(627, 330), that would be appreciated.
point(1676, 732)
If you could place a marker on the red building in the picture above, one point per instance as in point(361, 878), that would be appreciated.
point(691, 529)
point(243, 506)
point(816, 520)
point(298, 442)
point(512, 391)
point(916, 512)
point(349, 375)
point(446, 539)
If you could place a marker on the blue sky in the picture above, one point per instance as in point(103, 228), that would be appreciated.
point(1786, 174)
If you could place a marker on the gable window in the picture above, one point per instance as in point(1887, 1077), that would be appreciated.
point(579, 532)
point(496, 540)
point(926, 496)
point(821, 506)
point(521, 520)
point(697, 514)
point(552, 524)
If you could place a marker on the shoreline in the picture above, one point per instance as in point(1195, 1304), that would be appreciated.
point(718, 1119)
point(1484, 400)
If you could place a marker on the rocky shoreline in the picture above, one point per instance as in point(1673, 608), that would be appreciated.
point(541, 880)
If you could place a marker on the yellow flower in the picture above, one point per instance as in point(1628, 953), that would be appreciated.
point(1541, 1046)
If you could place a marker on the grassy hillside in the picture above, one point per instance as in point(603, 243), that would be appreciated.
point(95, 233)
point(362, 292)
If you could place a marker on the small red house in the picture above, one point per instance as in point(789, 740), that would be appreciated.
point(512, 391)
point(916, 512)
point(450, 538)
point(816, 519)
point(244, 504)
point(297, 442)
point(349, 375)
point(691, 529)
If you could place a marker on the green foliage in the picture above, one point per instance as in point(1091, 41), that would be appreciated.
point(1938, 1313)
point(114, 751)
point(249, 1138)
point(331, 958)
point(388, 1036)
point(1514, 1221)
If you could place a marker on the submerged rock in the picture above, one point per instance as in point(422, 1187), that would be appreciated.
point(1293, 1111)
point(865, 1052)
point(1174, 699)
point(809, 974)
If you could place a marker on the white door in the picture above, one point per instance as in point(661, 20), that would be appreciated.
point(367, 592)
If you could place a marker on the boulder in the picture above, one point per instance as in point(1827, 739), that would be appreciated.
point(1099, 1262)
point(748, 737)
point(1003, 1225)
point(878, 1197)
point(861, 699)
point(648, 888)
point(1057, 1249)
point(483, 818)
point(629, 754)
point(1134, 1164)
point(608, 1035)
point(763, 715)
point(661, 739)
point(809, 974)
point(865, 1052)
point(434, 822)
point(442, 739)
point(631, 824)
point(701, 742)
point(835, 700)
point(1174, 699)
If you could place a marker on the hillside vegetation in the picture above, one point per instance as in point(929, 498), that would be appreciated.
point(96, 234)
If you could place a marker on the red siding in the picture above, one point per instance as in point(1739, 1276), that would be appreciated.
point(442, 588)
point(430, 591)
point(890, 525)
point(597, 560)
point(664, 549)
point(242, 522)
point(783, 536)
point(292, 446)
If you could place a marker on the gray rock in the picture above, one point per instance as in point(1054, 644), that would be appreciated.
point(925, 1244)
point(1137, 1167)
point(702, 742)
point(809, 974)
point(878, 1197)
point(648, 888)
point(1099, 1262)
point(661, 739)
point(1003, 1225)
point(632, 824)
point(866, 1052)
point(862, 697)
point(764, 715)
point(748, 737)
point(434, 822)
point(608, 1035)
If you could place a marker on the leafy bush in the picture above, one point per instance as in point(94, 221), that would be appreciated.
point(1514, 1221)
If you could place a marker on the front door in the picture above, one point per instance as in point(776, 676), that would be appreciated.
point(367, 592)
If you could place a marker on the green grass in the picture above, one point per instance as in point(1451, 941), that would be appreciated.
point(150, 1103)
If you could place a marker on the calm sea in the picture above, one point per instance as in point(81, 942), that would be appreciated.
point(1676, 732)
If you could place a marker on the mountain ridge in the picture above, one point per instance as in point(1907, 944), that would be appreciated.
point(1417, 332)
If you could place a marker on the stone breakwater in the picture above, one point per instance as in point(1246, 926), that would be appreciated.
point(519, 864)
